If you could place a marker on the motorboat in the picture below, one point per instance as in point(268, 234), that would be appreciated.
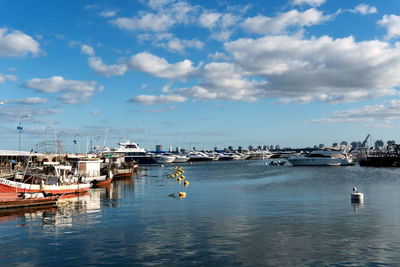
point(261, 154)
point(165, 158)
point(325, 157)
point(181, 159)
point(225, 156)
point(199, 156)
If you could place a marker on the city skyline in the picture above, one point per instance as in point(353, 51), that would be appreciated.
point(182, 73)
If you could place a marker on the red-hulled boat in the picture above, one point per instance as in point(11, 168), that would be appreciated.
point(8, 186)
point(26, 200)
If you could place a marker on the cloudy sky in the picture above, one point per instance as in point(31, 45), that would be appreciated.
point(199, 73)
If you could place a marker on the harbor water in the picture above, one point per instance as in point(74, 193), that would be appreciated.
point(240, 213)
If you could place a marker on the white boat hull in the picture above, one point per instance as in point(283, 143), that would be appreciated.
point(181, 159)
point(165, 159)
point(320, 162)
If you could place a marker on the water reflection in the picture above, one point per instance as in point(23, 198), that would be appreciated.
point(71, 205)
point(241, 213)
point(356, 206)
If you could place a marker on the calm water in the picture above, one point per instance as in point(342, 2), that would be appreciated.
point(235, 213)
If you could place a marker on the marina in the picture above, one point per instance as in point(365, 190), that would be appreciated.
point(234, 213)
point(199, 133)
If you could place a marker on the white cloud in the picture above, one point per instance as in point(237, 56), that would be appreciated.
point(29, 101)
point(100, 68)
point(73, 91)
point(156, 4)
point(95, 112)
point(170, 42)
point(11, 77)
point(159, 67)
point(370, 113)
point(309, 2)
point(179, 45)
point(281, 23)
point(221, 25)
point(17, 44)
point(87, 50)
point(322, 69)
point(224, 81)
point(148, 100)
point(162, 20)
point(392, 24)
point(364, 9)
point(209, 19)
point(159, 110)
point(108, 13)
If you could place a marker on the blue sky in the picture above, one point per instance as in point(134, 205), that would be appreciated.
point(199, 73)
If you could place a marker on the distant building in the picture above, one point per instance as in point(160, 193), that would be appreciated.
point(158, 148)
point(277, 147)
point(240, 149)
point(271, 147)
point(230, 148)
point(321, 146)
point(170, 149)
point(251, 148)
point(265, 147)
point(215, 148)
point(178, 149)
point(315, 147)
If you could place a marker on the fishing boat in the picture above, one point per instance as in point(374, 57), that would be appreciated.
point(27, 200)
point(61, 182)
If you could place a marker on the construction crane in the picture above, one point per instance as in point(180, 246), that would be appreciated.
point(365, 142)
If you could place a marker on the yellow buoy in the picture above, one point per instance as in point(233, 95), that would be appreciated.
point(185, 183)
point(172, 175)
point(176, 167)
point(183, 176)
point(182, 194)
point(182, 171)
point(179, 179)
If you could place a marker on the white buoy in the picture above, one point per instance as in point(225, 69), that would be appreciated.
point(357, 197)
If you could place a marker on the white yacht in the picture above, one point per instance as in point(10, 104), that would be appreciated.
point(326, 157)
point(199, 156)
point(181, 159)
point(133, 152)
point(261, 154)
point(165, 158)
point(225, 156)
